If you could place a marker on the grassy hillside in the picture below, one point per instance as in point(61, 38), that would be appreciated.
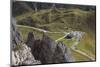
point(62, 20)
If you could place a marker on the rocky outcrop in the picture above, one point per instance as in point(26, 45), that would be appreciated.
point(37, 51)
point(77, 34)
point(48, 51)
point(21, 53)
point(23, 56)
point(63, 54)
point(30, 39)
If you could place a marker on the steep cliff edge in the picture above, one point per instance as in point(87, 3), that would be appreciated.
point(21, 53)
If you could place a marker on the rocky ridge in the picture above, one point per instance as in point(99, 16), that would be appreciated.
point(48, 51)
point(21, 53)
point(41, 51)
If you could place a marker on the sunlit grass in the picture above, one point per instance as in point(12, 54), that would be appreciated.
point(55, 36)
point(87, 45)
point(79, 57)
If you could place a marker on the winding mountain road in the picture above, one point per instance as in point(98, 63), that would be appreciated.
point(38, 29)
point(62, 37)
point(73, 47)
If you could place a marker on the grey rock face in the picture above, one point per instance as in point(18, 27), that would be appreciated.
point(48, 51)
point(30, 39)
point(21, 53)
point(77, 34)
point(66, 52)
point(15, 35)
point(23, 56)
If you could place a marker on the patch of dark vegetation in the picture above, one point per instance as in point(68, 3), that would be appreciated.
point(28, 22)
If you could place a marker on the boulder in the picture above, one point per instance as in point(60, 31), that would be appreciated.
point(48, 51)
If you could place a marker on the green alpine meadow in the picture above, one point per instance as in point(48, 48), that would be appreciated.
point(53, 33)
